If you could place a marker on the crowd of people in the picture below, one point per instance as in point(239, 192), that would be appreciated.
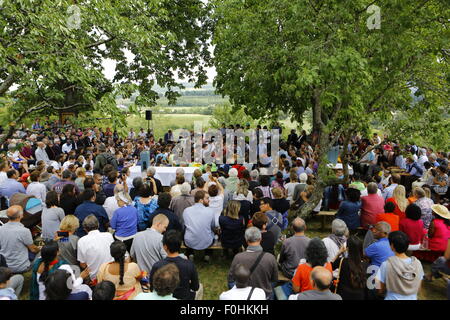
point(72, 212)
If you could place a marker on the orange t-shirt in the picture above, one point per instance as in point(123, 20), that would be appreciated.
point(301, 277)
point(397, 210)
point(390, 218)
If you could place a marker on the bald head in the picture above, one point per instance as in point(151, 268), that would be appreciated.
point(321, 278)
point(299, 225)
point(14, 213)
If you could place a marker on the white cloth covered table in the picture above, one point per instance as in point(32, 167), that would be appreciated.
point(164, 174)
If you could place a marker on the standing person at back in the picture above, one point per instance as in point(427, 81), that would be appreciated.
point(103, 159)
point(200, 223)
point(293, 248)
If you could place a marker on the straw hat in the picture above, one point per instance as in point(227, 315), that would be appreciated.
point(440, 210)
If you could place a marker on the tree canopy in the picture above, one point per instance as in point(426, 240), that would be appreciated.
point(51, 52)
point(349, 62)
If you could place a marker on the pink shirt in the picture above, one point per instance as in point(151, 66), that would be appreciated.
point(371, 205)
point(440, 236)
point(413, 229)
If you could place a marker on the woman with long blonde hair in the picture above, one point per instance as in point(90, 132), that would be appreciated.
point(400, 201)
point(232, 228)
point(242, 192)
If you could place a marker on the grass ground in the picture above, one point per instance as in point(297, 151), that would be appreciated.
point(213, 275)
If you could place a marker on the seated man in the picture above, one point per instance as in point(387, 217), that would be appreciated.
point(241, 290)
point(89, 207)
point(200, 224)
point(400, 276)
point(321, 279)
point(147, 247)
point(379, 251)
point(263, 266)
point(164, 200)
point(16, 242)
point(189, 287)
point(293, 248)
point(94, 247)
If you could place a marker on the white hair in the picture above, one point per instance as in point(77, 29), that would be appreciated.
point(179, 172)
point(233, 172)
point(254, 174)
point(303, 177)
point(185, 188)
point(338, 227)
point(151, 170)
point(252, 234)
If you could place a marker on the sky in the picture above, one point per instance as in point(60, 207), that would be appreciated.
point(110, 65)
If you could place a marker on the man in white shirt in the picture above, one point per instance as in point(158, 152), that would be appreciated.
point(241, 290)
point(41, 154)
point(94, 248)
point(67, 147)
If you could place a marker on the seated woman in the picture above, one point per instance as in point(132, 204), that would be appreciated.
point(278, 182)
point(412, 225)
point(389, 217)
point(260, 221)
point(52, 215)
point(216, 196)
point(265, 187)
point(125, 275)
point(57, 288)
point(46, 265)
point(68, 245)
point(349, 209)
point(125, 220)
point(440, 182)
point(425, 204)
point(280, 203)
point(351, 271)
point(175, 190)
point(316, 255)
point(145, 204)
point(111, 204)
point(242, 192)
point(232, 228)
point(290, 186)
point(438, 234)
point(400, 201)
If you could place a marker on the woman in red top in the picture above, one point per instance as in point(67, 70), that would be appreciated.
point(400, 201)
point(389, 216)
point(316, 255)
point(412, 225)
point(439, 231)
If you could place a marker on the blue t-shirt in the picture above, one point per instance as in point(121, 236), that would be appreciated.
point(381, 276)
point(125, 221)
point(379, 252)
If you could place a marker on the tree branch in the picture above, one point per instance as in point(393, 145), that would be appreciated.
point(9, 81)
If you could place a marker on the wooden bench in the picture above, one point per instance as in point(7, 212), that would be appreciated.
point(324, 215)
point(213, 247)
